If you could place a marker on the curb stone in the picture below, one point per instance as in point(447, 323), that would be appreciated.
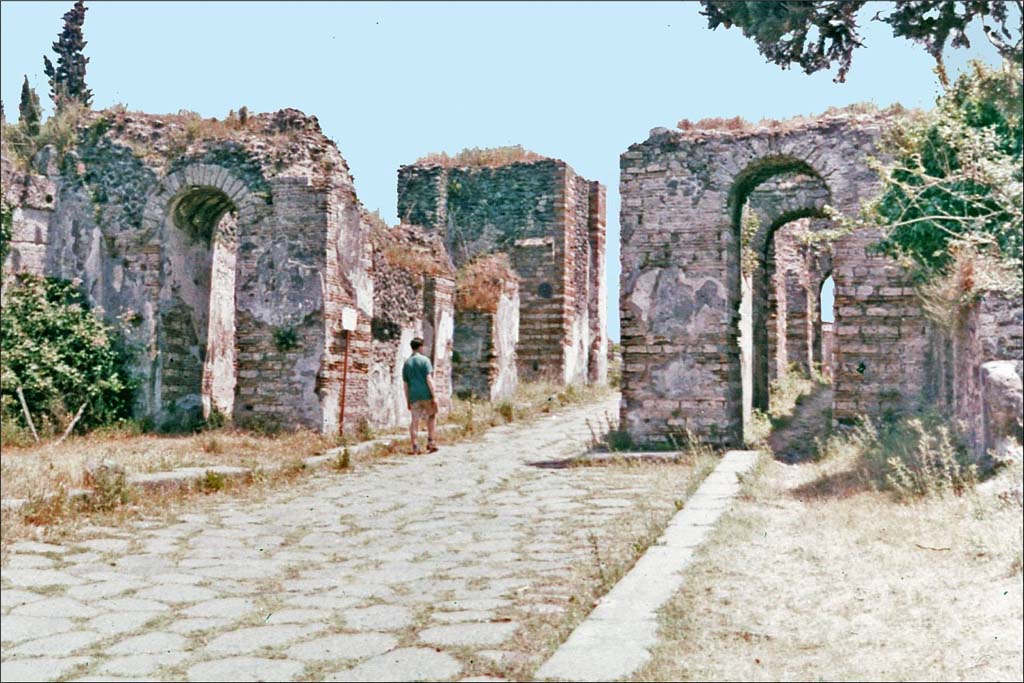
point(616, 637)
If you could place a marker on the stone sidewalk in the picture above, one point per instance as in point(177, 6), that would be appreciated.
point(462, 564)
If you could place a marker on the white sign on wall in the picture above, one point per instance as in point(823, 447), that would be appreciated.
point(348, 319)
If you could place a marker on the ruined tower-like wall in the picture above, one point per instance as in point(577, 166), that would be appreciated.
point(413, 296)
point(682, 195)
point(598, 298)
point(542, 215)
point(231, 249)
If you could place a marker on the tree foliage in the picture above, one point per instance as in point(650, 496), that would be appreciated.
point(956, 174)
point(6, 228)
point(61, 355)
point(29, 111)
point(67, 78)
point(816, 35)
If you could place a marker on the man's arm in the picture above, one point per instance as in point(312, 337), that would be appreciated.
point(430, 385)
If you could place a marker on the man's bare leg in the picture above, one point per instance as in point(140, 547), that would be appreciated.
point(431, 422)
point(414, 426)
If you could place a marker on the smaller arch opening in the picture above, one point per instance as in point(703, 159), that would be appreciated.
point(199, 210)
point(198, 307)
point(825, 329)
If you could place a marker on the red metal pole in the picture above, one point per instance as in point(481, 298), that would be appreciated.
point(344, 386)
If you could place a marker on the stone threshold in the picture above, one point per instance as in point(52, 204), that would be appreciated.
point(616, 637)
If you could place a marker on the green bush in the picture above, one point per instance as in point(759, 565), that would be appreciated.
point(956, 174)
point(61, 355)
point(6, 229)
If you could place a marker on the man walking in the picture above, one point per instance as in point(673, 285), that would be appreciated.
point(417, 375)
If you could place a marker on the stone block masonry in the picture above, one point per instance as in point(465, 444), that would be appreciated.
point(550, 222)
point(684, 194)
point(235, 249)
point(485, 346)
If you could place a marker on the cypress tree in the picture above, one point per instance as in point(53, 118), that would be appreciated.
point(67, 79)
point(29, 111)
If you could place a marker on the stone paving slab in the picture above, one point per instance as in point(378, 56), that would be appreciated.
point(407, 568)
point(615, 639)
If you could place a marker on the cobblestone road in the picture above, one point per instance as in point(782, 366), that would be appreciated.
point(457, 565)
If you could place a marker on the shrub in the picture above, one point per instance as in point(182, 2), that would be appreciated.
point(956, 174)
point(911, 457)
point(507, 410)
point(61, 355)
point(480, 283)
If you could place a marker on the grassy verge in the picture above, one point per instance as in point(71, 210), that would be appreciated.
point(44, 473)
point(808, 578)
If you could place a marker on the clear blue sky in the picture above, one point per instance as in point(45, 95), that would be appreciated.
point(393, 81)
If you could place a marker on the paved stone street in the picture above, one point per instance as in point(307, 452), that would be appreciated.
point(464, 563)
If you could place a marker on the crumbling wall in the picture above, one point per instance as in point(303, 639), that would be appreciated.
point(979, 356)
point(549, 221)
point(32, 197)
point(682, 197)
point(232, 249)
point(486, 332)
point(413, 290)
point(487, 328)
point(881, 348)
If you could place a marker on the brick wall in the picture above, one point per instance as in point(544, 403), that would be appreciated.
point(682, 194)
point(549, 221)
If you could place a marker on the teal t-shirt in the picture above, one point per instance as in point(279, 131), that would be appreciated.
point(414, 373)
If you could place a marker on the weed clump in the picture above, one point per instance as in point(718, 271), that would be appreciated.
point(911, 457)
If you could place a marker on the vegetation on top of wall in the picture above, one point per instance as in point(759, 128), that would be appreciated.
point(408, 248)
point(113, 173)
point(60, 130)
point(480, 283)
point(482, 158)
point(956, 178)
point(738, 123)
point(6, 229)
point(62, 357)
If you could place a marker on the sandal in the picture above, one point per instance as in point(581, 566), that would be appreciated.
point(431, 448)
point(415, 450)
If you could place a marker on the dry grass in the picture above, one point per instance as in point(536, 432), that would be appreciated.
point(481, 158)
point(44, 474)
point(35, 471)
point(480, 283)
point(409, 248)
point(815, 577)
point(739, 124)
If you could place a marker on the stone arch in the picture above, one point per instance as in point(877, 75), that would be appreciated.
point(683, 195)
point(779, 190)
point(196, 214)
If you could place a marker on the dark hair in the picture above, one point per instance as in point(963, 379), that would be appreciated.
point(416, 344)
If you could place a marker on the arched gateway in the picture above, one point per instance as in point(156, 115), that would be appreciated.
point(705, 329)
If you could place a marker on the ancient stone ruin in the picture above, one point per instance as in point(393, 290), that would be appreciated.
point(253, 284)
point(242, 264)
point(725, 247)
point(551, 224)
point(486, 329)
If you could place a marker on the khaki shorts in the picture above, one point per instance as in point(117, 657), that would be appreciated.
point(423, 409)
